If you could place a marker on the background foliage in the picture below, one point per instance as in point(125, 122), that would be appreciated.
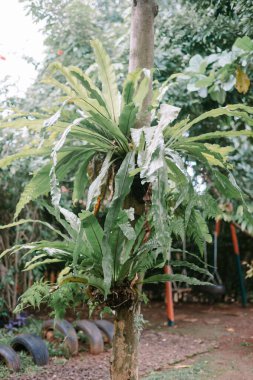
point(185, 30)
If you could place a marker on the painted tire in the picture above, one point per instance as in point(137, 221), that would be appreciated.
point(67, 330)
point(9, 357)
point(212, 289)
point(107, 329)
point(34, 345)
point(93, 334)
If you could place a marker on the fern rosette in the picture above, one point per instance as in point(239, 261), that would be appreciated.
point(133, 184)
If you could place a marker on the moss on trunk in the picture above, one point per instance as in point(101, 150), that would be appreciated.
point(124, 361)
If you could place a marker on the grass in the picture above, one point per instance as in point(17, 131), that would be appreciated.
point(246, 344)
point(27, 366)
point(196, 371)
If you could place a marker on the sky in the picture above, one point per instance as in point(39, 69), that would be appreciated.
point(19, 37)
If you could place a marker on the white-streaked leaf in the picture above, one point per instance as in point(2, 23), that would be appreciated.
point(128, 231)
point(53, 119)
point(95, 186)
point(168, 114)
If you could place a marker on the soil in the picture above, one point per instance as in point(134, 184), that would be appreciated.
point(209, 342)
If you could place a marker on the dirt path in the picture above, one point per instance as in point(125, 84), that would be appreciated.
point(206, 343)
point(229, 327)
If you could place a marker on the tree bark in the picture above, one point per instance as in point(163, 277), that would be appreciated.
point(142, 34)
point(124, 362)
point(142, 46)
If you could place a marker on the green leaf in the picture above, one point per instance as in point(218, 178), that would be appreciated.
point(131, 247)
point(172, 278)
point(225, 187)
point(35, 258)
point(177, 127)
point(81, 179)
point(60, 249)
point(177, 226)
point(92, 89)
point(55, 212)
point(34, 125)
point(218, 96)
point(146, 260)
point(44, 262)
point(188, 265)
point(243, 43)
point(159, 211)
point(25, 221)
point(40, 182)
point(198, 229)
point(130, 85)
point(98, 139)
point(220, 134)
point(34, 295)
point(82, 98)
point(97, 283)
point(110, 127)
point(79, 242)
point(26, 152)
point(108, 79)
point(142, 90)
point(205, 81)
point(73, 279)
point(233, 110)
point(93, 231)
point(178, 175)
point(127, 118)
point(214, 155)
point(73, 78)
point(123, 184)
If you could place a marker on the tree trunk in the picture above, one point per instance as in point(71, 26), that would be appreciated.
point(124, 362)
point(142, 46)
point(142, 34)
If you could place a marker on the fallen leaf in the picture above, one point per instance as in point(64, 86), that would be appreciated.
point(190, 319)
point(242, 81)
point(178, 366)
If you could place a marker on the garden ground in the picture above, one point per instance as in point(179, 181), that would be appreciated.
point(207, 342)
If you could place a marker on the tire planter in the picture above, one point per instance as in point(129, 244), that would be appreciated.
point(107, 329)
point(9, 357)
point(212, 289)
point(34, 345)
point(93, 334)
point(66, 329)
